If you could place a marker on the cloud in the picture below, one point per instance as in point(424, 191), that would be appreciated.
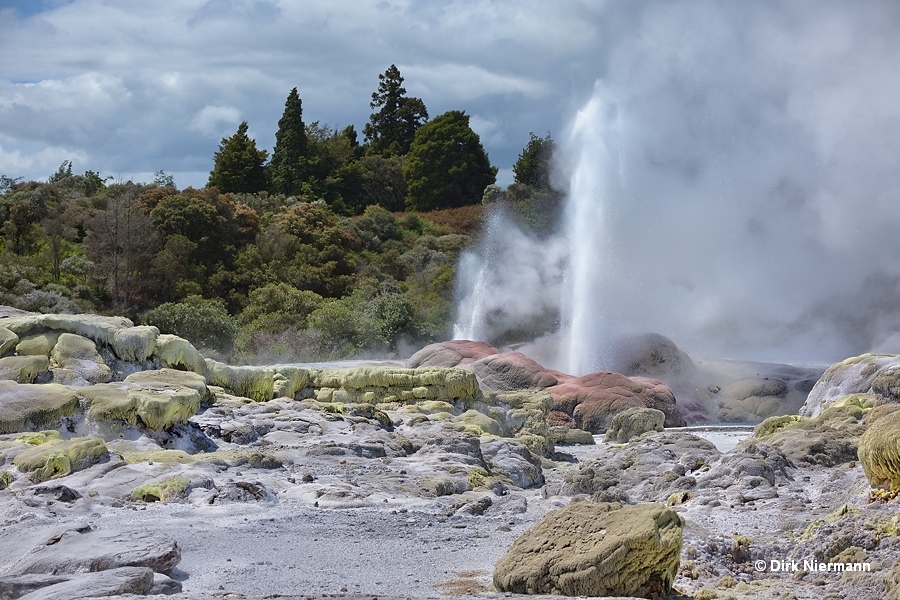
point(211, 121)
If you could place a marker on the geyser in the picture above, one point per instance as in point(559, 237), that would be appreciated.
point(587, 328)
point(732, 185)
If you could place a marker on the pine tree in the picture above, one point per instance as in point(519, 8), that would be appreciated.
point(287, 170)
point(446, 166)
point(391, 130)
point(534, 163)
point(238, 166)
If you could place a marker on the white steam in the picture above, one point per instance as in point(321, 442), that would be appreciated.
point(741, 164)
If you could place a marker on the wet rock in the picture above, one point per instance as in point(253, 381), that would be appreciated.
point(26, 407)
point(632, 422)
point(79, 551)
point(23, 369)
point(588, 549)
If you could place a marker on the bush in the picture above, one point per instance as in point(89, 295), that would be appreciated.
point(203, 322)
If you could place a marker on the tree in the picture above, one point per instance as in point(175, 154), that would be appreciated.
point(121, 242)
point(390, 130)
point(288, 165)
point(446, 166)
point(238, 166)
point(534, 163)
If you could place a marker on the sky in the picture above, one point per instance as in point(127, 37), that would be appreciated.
point(747, 154)
point(126, 88)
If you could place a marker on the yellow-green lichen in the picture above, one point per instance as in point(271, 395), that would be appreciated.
point(6, 478)
point(39, 438)
point(166, 490)
point(58, 460)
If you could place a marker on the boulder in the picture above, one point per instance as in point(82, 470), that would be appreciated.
point(513, 459)
point(80, 551)
point(856, 375)
point(593, 399)
point(450, 354)
point(113, 582)
point(38, 344)
point(633, 422)
point(650, 354)
point(79, 354)
point(8, 341)
point(178, 353)
point(750, 400)
point(569, 436)
point(59, 459)
point(34, 406)
point(135, 344)
point(602, 549)
point(23, 369)
point(94, 327)
point(510, 371)
point(828, 439)
point(879, 447)
point(156, 400)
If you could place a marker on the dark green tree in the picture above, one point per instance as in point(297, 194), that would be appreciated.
point(390, 130)
point(534, 163)
point(446, 166)
point(238, 166)
point(287, 170)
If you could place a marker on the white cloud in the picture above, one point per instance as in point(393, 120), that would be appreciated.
point(212, 121)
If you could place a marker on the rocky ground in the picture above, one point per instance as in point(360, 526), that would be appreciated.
point(197, 480)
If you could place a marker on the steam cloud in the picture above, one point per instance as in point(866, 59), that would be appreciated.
point(754, 210)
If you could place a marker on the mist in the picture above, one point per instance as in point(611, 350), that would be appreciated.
point(748, 188)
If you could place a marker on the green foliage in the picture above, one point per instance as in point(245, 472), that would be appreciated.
point(391, 130)
point(533, 166)
point(278, 307)
point(287, 170)
point(163, 179)
point(238, 165)
point(446, 165)
point(64, 171)
point(202, 321)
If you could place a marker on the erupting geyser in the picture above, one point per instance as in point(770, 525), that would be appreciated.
point(586, 312)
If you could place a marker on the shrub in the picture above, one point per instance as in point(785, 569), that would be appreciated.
point(203, 322)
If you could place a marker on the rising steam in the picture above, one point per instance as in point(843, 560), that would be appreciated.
point(734, 184)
